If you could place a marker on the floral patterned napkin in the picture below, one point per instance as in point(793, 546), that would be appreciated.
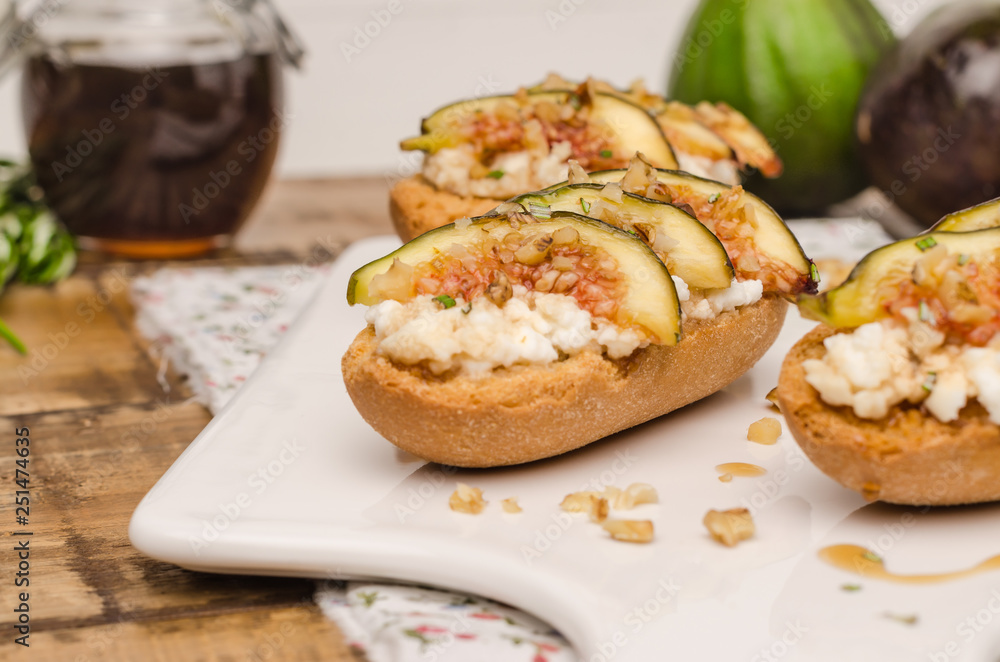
point(393, 623)
point(216, 324)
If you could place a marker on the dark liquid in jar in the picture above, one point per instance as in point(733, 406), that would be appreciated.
point(176, 155)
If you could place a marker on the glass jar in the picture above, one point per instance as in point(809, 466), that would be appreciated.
point(153, 125)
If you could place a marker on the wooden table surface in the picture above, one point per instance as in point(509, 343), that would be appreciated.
point(103, 431)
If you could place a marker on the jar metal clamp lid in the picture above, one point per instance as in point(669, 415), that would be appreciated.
point(22, 20)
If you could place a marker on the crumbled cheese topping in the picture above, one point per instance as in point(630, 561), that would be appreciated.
point(885, 363)
point(709, 304)
point(532, 328)
point(450, 169)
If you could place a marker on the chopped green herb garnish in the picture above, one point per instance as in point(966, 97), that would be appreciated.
point(925, 313)
point(963, 260)
point(495, 174)
point(539, 211)
point(928, 384)
point(872, 556)
point(908, 619)
point(850, 588)
point(574, 100)
point(927, 243)
point(12, 338)
point(445, 301)
point(467, 309)
point(632, 232)
point(585, 206)
point(813, 272)
point(606, 153)
point(712, 199)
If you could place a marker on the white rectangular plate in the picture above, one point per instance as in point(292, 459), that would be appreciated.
point(289, 480)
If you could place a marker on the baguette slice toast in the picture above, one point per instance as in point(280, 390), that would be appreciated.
point(908, 458)
point(528, 413)
point(416, 207)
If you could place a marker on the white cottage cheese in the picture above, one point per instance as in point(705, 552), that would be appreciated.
point(530, 329)
point(449, 170)
point(885, 363)
point(709, 304)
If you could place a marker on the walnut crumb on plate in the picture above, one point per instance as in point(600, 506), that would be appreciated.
point(467, 499)
point(765, 431)
point(589, 502)
point(730, 527)
point(510, 505)
point(630, 530)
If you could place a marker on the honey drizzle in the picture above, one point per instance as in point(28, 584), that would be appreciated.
point(740, 469)
point(863, 562)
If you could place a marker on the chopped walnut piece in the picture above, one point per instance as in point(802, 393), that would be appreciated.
point(467, 499)
point(729, 526)
point(611, 493)
point(765, 431)
point(772, 397)
point(592, 503)
point(634, 495)
point(599, 510)
point(510, 505)
point(630, 530)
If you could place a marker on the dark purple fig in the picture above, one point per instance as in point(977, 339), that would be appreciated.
point(927, 125)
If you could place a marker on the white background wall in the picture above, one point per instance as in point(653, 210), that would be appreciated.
point(348, 116)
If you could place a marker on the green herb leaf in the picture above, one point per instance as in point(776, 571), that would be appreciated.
point(712, 199)
point(585, 206)
point(606, 153)
point(929, 381)
point(850, 588)
point(927, 243)
point(872, 556)
point(495, 174)
point(445, 301)
point(11, 337)
point(34, 247)
point(813, 272)
point(539, 211)
point(925, 314)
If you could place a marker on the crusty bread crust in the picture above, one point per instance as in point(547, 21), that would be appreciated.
point(416, 207)
point(528, 413)
point(909, 457)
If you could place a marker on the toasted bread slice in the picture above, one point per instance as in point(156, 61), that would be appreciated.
point(909, 457)
point(528, 413)
point(416, 207)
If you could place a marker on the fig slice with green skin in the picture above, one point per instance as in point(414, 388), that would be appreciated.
point(628, 125)
point(648, 297)
point(876, 281)
point(980, 217)
point(771, 237)
point(688, 248)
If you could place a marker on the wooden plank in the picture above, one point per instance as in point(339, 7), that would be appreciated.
point(81, 354)
point(303, 215)
point(87, 478)
point(297, 633)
